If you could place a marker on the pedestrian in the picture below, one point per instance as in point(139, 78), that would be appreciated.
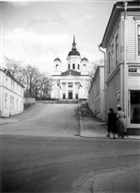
point(121, 122)
point(112, 126)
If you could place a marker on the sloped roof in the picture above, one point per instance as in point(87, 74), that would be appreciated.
point(114, 17)
point(71, 72)
point(7, 72)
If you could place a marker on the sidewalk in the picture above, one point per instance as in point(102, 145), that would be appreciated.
point(26, 114)
point(93, 127)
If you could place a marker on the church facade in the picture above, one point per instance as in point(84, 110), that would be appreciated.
point(74, 82)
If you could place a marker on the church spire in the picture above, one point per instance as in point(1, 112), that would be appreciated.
point(74, 44)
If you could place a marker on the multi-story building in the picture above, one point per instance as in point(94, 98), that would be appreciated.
point(11, 94)
point(73, 83)
point(121, 42)
point(96, 94)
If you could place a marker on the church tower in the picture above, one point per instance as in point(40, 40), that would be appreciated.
point(71, 84)
point(73, 58)
point(57, 66)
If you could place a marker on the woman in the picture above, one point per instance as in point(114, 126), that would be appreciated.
point(112, 127)
point(121, 122)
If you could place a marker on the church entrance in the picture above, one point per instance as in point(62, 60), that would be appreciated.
point(70, 95)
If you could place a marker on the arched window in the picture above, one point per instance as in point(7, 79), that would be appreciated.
point(84, 66)
point(56, 67)
point(73, 66)
point(68, 66)
point(78, 66)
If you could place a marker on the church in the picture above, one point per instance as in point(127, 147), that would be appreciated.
point(73, 83)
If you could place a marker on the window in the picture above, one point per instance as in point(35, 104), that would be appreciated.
point(116, 49)
point(56, 67)
point(84, 67)
point(73, 66)
point(17, 104)
point(11, 84)
point(108, 62)
point(5, 100)
point(6, 80)
point(78, 66)
point(10, 102)
point(70, 84)
point(139, 40)
point(20, 105)
point(69, 66)
point(112, 48)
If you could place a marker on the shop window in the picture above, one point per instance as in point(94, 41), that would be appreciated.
point(139, 40)
point(135, 107)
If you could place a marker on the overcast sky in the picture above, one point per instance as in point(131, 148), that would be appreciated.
point(38, 32)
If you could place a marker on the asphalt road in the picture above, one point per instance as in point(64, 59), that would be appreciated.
point(46, 154)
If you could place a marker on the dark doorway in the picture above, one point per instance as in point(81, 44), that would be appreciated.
point(70, 95)
point(64, 96)
point(135, 106)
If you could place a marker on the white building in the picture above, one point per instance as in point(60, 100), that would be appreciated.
point(121, 42)
point(72, 83)
point(11, 94)
point(96, 101)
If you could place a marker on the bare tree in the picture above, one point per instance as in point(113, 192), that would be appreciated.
point(37, 84)
point(95, 64)
point(12, 65)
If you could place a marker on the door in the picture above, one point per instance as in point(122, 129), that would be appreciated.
point(70, 94)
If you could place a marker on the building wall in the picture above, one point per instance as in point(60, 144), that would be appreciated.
point(102, 94)
point(96, 94)
point(123, 73)
point(11, 96)
point(113, 88)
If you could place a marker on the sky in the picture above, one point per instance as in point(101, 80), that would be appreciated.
point(38, 32)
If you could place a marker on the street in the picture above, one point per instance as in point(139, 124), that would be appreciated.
point(46, 154)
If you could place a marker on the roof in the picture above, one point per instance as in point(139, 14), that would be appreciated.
point(118, 8)
point(84, 59)
point(11, 76)
point(71, 72)
point(74, 51)
point(57, 59)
